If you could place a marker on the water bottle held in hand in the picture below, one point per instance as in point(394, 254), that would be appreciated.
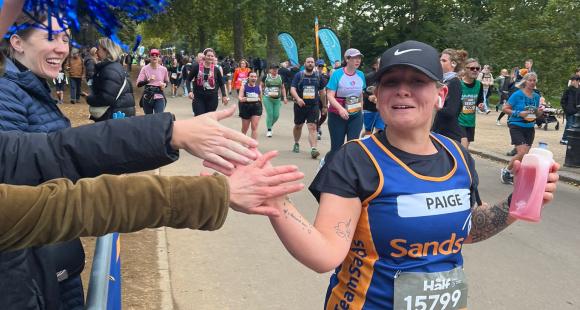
point(530, 184)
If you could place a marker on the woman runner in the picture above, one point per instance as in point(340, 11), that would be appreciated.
point(206, 78)
point(396, 208)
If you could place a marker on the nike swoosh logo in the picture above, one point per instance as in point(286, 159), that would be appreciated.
point(397, 53)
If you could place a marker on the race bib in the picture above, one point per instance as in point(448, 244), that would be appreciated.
point(435, 290)
point(469, 105)
point(206, 85)
point(252, 97)
point(273, 92)
point(174, 76)
point(531, 117)
point(309, 92)
point(353, 104)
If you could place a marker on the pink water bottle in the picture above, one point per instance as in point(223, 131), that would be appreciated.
point(530, 183)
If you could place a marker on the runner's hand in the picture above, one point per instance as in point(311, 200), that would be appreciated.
point(225, 100)
point(204, 137)
point(251, 186)
point(300, 102)
point(285, 100)
point(190, 95)
point(343, 113)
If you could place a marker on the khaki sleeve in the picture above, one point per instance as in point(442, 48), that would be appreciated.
point(59, 210)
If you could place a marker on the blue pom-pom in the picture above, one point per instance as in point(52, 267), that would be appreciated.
point(103, 14)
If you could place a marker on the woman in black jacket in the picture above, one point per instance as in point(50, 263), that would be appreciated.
point(112, 91)
point(445, 122)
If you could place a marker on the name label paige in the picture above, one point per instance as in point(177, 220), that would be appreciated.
point(436, 203)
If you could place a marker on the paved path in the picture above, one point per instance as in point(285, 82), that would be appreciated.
point(244, 265)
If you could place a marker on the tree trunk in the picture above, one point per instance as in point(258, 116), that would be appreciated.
point(272, 55)
point(238, 24)
point(202, 36)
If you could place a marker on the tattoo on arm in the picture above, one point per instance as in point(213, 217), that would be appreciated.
point(343, 229)
point(487, 220)
point(297, 218)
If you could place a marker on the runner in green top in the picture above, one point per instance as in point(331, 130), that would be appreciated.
point(471, 99)
point(273, 90)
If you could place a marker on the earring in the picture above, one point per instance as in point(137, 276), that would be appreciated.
point(439, 102)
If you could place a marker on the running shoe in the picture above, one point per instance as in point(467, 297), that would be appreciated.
point(506, 176)
point(512, 152)
point(564, 142)
point(497, 123)
point(487, 112)
point(314, 153)
point(296, 148)
point(269, 133)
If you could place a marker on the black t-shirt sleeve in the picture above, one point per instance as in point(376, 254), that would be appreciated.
point(480, 95)
point(349, 174)
point(192, 75)
point(475, 199)
point(264, 79)
point(220, 80)
point(452, 104)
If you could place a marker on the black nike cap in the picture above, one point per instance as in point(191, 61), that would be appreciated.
point(418, 55)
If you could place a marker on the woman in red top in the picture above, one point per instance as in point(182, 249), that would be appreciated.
point(241, 75)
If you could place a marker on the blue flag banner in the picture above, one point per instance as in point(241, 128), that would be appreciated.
point(289, 45)
point(331, 44)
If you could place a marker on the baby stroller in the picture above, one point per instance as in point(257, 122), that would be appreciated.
point(548, 116)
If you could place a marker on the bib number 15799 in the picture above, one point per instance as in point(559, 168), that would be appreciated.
point(447, 300)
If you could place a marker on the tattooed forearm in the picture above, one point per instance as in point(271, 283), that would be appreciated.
point(489, 220)
point(343, 229)
point(288, 214)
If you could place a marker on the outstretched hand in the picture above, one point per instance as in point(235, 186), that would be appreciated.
point(221, 147)
point(551, 186)
point(251, 186)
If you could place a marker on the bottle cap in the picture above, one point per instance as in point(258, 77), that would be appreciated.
point(543, 145)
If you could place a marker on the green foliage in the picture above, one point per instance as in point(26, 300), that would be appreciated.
point(502, 33)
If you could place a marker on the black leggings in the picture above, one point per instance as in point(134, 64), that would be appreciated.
point(500, 116)
point(322, 118)
point(204, 103)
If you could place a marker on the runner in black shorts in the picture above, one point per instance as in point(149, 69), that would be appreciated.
point(522, 135)
point(468, 133)
point(206, 80)
point(250, 97)
point(307, 90)
point(307, 114)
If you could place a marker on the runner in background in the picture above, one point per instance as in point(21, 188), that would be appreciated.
point(372, 120)
point(523, 107)
point(471, 99)
point(241, 75)
point(345, 96)
point(206, 79)
point(446, 120)
point(274, 89)
point(155, 78)
point(307, 90)
point(324, 74)
point(250, 105)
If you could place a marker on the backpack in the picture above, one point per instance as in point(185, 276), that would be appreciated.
point(316, 74)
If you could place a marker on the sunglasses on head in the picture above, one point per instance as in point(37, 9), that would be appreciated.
point(474, 68)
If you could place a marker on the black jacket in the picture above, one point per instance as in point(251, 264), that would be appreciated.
point(28, 280)
point(446, 122)
point(110, 80)
point(89, 68)
point(569, 100)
